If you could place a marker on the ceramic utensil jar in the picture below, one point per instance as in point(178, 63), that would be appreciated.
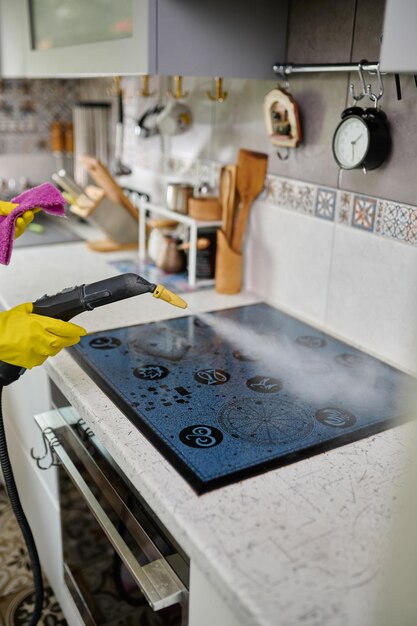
point(177, 195)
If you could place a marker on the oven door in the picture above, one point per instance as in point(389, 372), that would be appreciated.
point(120, 564)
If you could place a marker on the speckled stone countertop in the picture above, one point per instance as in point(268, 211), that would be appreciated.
point(303, 544)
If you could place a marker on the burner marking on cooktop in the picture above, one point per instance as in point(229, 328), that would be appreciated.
point(311, 341)
point(264, 384)
point(349, 360)
point(266, 422)
point(212, 377)
point(338, 418)
point(105, 343)
point(201, 436)
point(151, 372)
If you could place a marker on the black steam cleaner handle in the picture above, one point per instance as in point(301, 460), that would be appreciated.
point(75, 300)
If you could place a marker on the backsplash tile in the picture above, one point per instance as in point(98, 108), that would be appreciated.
point(344, 205)
point(326, 203)
point(27, 110)
point(363, 215)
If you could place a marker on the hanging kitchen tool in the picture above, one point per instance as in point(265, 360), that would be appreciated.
point(176, 117)
point(146, 125)
point(118, 168)
point(282, 119)
point(362, 140)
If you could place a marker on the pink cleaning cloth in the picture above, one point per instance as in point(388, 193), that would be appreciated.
point(45, 197)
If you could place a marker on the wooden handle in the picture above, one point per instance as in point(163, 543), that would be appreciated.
point(162, 223)
point(202, 244)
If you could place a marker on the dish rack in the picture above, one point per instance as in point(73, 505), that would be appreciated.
point(193, 225)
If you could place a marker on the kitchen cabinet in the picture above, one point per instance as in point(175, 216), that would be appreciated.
point(72, 38)
point(399, 44)
point(217, 38)
point(142, 37)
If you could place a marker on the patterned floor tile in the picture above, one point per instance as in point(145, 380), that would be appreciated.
point(16, 587)
point(16, 609)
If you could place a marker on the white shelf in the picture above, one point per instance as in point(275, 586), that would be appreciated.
point(194, 226)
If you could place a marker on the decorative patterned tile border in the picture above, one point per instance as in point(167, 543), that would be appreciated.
point(384, 218)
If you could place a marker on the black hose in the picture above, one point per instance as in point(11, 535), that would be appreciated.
point(21, 520)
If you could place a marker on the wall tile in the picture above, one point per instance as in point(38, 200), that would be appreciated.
point(344, 206)
point(288, 259)
point(320, 31)
point(372, 296)
point(27, 110)
point(363, 215)
point(326, 203)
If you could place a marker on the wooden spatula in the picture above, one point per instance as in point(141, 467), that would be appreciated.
point(251, 171)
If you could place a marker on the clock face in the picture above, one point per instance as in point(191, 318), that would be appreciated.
point(351, 142)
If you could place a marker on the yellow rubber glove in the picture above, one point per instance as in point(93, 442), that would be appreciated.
point(27, 339)
point(22, 221)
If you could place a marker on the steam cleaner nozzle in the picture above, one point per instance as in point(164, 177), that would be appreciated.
point(165, 294)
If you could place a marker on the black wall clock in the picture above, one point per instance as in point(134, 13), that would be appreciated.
point(362, 140)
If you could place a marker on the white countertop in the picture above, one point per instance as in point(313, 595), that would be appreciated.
point(303, 544)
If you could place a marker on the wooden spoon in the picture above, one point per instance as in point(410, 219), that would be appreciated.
point(251, 171)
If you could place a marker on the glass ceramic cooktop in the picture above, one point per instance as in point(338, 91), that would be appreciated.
point(233, 393)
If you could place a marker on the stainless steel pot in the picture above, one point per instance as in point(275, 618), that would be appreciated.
point(177, 195)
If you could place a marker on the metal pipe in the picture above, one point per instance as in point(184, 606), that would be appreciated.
point(287, 69)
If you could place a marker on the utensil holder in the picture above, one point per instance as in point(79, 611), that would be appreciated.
point(229, 267)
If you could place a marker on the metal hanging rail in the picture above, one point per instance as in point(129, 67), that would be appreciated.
point(289, 68)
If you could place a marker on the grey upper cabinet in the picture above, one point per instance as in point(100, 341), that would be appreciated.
point(228, 38)
point(52, 38)
point(399, 41)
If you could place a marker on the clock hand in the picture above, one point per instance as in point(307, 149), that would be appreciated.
point(357, 139)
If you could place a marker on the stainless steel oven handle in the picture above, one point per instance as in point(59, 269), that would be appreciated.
point(157, 580)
